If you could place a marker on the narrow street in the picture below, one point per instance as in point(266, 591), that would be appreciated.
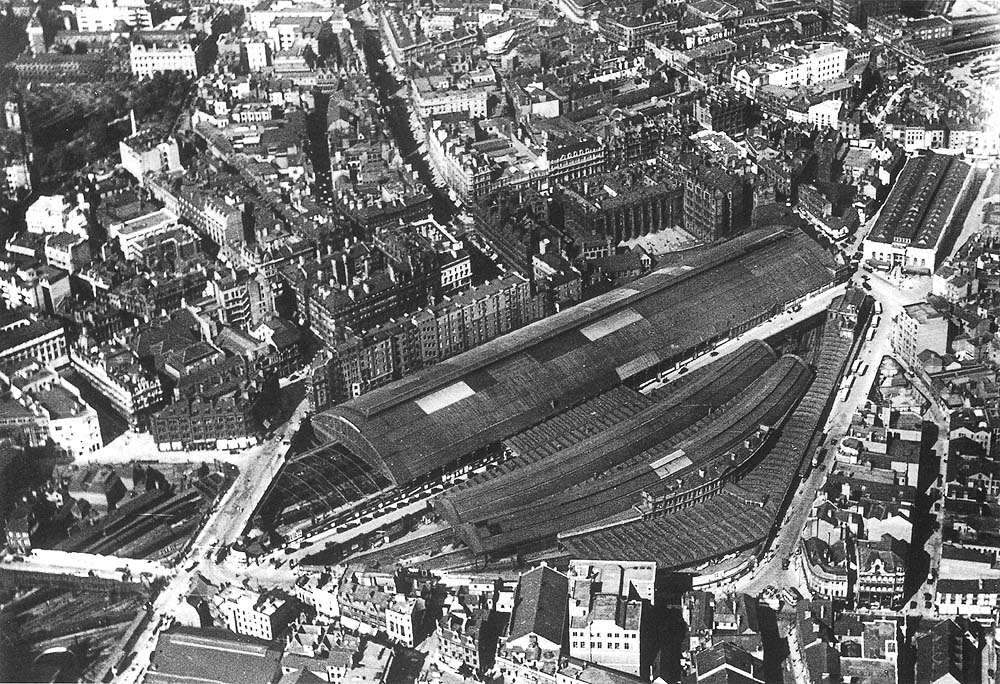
point(397, 116)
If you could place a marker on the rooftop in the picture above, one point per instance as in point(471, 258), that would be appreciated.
point(185, 655)
point(540, 605)
point(417, 424)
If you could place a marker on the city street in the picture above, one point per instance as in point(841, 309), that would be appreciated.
point(990, 188)
point(226, 522)
point(892, 298)
point(812, 306)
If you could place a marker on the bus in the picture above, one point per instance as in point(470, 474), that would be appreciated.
point(876, 321)
point(842, 395)
point(856, 367)
point(871, 334)
point(864, 370)
point(878, 308)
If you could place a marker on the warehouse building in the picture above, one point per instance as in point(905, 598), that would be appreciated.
point(914, 221)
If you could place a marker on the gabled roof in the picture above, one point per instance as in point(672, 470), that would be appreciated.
point(726, 662)
point(213, 655)
point(540, 605)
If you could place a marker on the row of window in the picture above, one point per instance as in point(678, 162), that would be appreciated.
point(599, 645)
point(611, 635)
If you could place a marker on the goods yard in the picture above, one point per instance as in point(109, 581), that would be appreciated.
point(154, 524)
point(63, 634)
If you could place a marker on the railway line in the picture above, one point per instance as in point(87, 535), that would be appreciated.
point(522, 483)
point(766, 402)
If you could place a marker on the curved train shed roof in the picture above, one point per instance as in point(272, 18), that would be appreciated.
point(419, 424)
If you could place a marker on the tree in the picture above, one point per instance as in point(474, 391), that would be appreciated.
point(309, 55)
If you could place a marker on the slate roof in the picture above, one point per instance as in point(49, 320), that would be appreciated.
point(190, 655)
point(540, 605)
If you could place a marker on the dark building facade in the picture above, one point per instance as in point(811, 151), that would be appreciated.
point(621, 211)
point(723, 111)
point(717, 205)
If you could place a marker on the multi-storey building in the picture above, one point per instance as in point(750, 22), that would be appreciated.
point(41, 288)
point(370, 604)
point(29, 337)
point(219, 218)
point(881, 571)
point(223, 422)
point(461, 637)
point(622, 205)
point(630, 29)
point(530, 651)
point(131, 232)
point(791, 67)
point(403, 617)
point(572, 158)
point(118, 376)
point(723, 111)
point(146, 61)
point(17, 531)
point(916, 328)
point(265, 616)
point(53, 214)
point(933, 28)
point(67, 251)
point(71, 423)
point(976, 425)
point(430, 101)
point(976, 599)
point(717, 204)
point(915, 218)
point(246, 298)
point(825, 568)
point(371, 359)
point(104, 15)
point(322, 650)
point(145, 153)
point(605, 611)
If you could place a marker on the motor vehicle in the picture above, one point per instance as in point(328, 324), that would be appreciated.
point(866, 285)
point(683, 370)
point(713, 353)
point(785, 563)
